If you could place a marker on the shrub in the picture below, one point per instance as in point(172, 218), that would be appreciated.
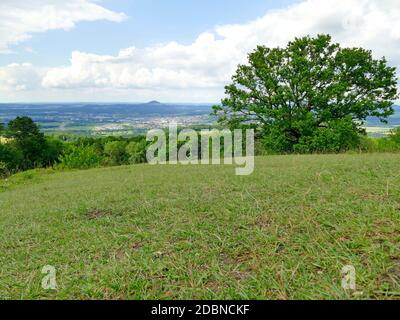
point(116, 152)
point(80, 158)
point(11, 157)
point(4, 172)
point(52, 151)
point(368, 144)
point(275, 142)
point(331, 137)
point(136, 152)
point(387, 144)
point(339, 136)
point(395, 136)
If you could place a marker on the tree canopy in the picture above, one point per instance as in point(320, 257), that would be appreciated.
point(310, 89)
point(27, 137)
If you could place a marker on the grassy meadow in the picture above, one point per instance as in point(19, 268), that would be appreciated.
point(200, 232)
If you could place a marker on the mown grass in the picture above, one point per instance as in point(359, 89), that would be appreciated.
point(200, 232)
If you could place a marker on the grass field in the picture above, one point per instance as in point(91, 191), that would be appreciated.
point(197, 232)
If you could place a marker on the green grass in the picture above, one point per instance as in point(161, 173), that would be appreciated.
point(200, 232)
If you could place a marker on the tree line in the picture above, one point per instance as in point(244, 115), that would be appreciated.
point(25, 147)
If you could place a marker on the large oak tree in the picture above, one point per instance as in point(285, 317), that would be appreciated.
point(308, 89)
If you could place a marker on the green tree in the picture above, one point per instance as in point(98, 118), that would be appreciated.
point(295, 93)
point(10, 157)
point(28, 139)
point(136, 152)
point(82, 157)
point(52, 151)
point(116, 152)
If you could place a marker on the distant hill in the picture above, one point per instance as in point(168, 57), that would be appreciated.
point(154, 102)
point(394, 120)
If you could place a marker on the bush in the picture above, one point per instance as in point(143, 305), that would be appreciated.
point(338, 136)
point(387, 144)
point(368, 144)
point(394, 136)
point(52, 151)
point(136, 152)
point(274, 141)
point(332, 137)
point(11, 157)
point(4, 172)
point(80, 158)
point(116, 152)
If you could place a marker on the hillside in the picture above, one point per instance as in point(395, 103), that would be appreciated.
point(186, 232)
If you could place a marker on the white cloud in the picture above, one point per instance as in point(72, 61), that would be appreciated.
point(20, 77)
point(198, 72)
point(20, 18)
point(173, 66)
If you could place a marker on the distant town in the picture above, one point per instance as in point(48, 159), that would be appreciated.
point(102, 119)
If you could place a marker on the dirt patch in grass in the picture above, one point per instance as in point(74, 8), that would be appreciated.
point(98, 214)
point(383, 236)
point(263, 222)
point(123, 253)
point(120, 255)
point(389, 282)
point(393, 274)
point(137, 245)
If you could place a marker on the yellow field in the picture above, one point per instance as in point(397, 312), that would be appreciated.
point(381, 130)
point(4, 140)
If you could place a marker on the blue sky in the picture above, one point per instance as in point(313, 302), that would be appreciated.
point(149, 22)
point(167, 50)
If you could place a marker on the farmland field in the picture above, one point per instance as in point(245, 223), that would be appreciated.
point(98, 119)
point(197, 232)
point(102, 119)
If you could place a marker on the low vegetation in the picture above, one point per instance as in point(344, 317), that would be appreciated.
point(24, 147)
point(197, 232)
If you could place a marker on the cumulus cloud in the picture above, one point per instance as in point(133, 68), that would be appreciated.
point(20, 77)
point(173, 66)
point(20, 18)
point(210, 60)
point(188, 72)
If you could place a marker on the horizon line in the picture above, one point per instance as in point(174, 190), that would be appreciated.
point(107, 102)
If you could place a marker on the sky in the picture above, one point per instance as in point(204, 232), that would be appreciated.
point(171, 51)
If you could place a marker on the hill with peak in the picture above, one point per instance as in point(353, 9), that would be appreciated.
point(154, 102)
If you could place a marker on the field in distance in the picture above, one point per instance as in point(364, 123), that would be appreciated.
point(196, 232)
point(132, 119)
point(105, 119)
